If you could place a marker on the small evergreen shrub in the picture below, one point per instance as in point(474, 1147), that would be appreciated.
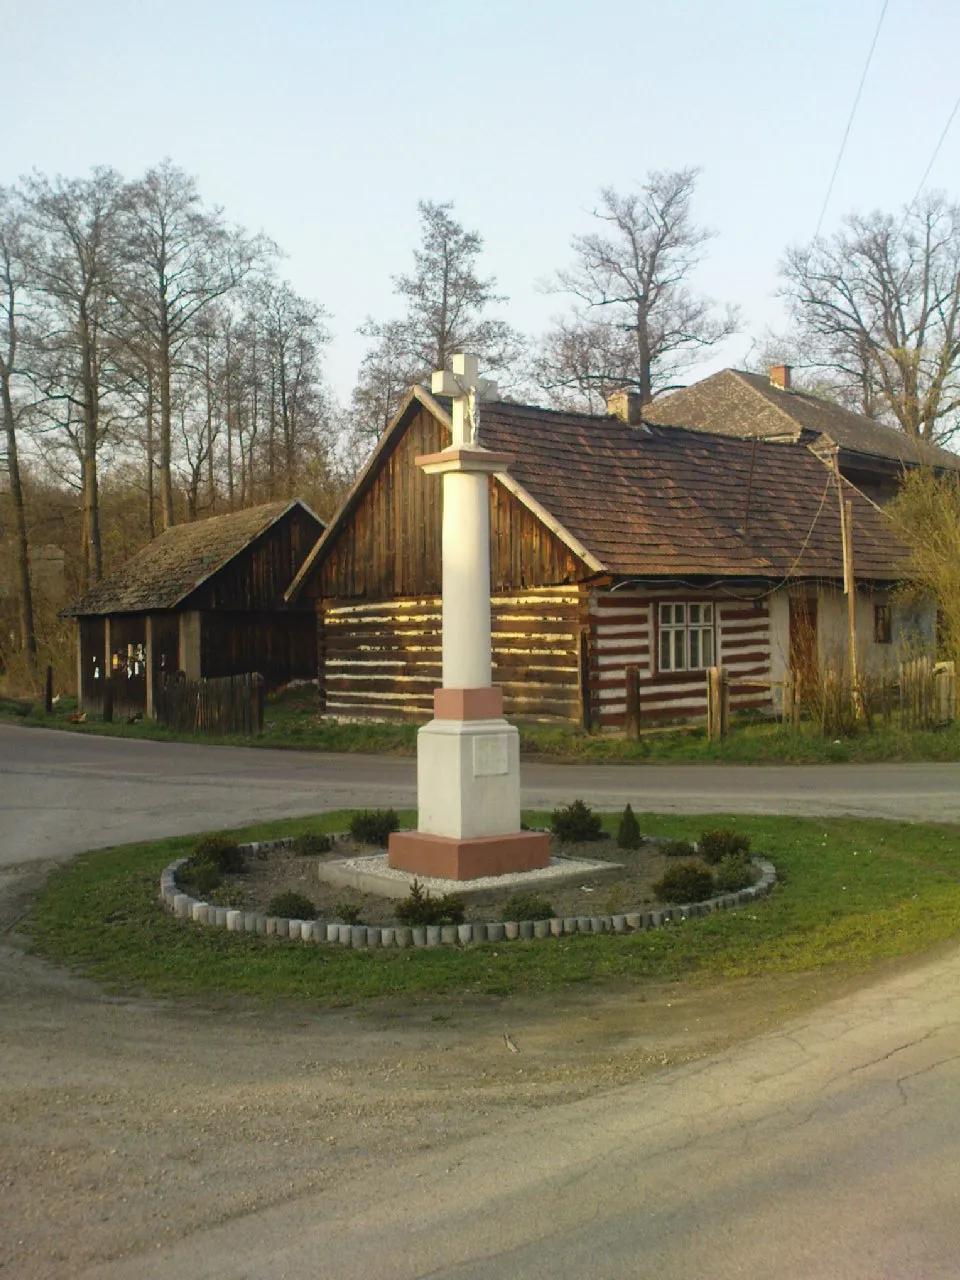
point(526, 906)
point(721, 842)
point(295, 906)
point(422, 909)
point(205, 876)
point(347, 912)
point(576, 822)
point(374, 826)
point(221, 851)
point(677, 849)
point(733, 873)
point(685, 882)
point(310, 843)
point(628, 832)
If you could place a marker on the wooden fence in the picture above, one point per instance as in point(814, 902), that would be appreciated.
point(230, 704)
point(928, 693)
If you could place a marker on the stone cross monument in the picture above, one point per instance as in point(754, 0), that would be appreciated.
point(468, 756)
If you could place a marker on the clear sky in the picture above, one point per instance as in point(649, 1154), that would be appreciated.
point(323, 123)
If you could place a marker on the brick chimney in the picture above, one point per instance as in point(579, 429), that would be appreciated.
point(625, 405)
point(780, 376)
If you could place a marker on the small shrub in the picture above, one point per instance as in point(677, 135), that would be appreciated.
point(219, 850)
point(576, 822)
point(615, 900)
point(733, 873)
point(422, 909)
point(347, 911)
point(310, 843)
point(296, 906)
point(628, 832)
point(677, 849)
point(685, 882)
point(526, 906)
point(205, 876)
point(374, 827)
point(722, 843)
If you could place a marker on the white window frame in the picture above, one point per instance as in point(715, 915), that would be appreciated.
point(686, 635)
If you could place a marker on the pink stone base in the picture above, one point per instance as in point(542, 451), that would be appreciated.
point(468, 704)
point(448, 858)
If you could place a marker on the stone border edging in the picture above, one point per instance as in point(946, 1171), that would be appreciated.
point(371, 936)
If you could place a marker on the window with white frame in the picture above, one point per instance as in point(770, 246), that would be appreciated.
point(686, 636)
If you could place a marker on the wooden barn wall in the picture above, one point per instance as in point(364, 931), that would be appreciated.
point(127, 674)
point(389, 547)
point(257, 577)
point(281, 646)
point(385, 659)
point(623, 631)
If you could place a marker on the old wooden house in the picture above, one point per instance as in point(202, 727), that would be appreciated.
point(769, 407)
point(206, 599)
point(614, 543)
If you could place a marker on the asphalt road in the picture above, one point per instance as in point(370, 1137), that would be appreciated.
point(61, 793)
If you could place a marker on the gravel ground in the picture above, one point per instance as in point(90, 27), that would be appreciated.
point(127, 1123)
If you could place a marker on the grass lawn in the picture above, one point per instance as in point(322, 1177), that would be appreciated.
point(854, 893)
point(292, 721)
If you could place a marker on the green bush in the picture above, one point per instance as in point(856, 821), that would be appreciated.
point(296, 906)
point(204, 876)
point(374, 827)
point(220, 851)
point(733, 873)
point(526, 906)
point(721, 842)
point(677, 849)
point(348, 912)
point(685, 882)
point(421, 909)
point(310, 842)
point(576, 822)
point(628, 832)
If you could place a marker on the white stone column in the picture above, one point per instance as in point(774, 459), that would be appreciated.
point(466, 580)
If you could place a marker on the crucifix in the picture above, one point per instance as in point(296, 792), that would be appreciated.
point(468, 756)
point(466, 389)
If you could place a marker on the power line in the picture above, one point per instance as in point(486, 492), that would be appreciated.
point(933, 160)
point(853, 112)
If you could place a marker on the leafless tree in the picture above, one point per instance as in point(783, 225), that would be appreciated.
point(179, 259)
point(76, 224)
point(635, 324)
point(877, 310)
point(445, 304)
point(15, 252)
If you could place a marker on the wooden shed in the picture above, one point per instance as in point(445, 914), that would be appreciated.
point(614, 544)
point(206, 599)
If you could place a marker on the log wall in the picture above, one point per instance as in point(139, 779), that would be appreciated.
point(385, 659)
point(623, 631)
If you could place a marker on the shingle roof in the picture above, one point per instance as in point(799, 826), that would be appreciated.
point(736, 403)
point(170, 567)
point(655, 500)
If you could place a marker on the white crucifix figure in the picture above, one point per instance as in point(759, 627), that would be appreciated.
point(467, 389)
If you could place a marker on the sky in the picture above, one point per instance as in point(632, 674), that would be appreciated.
point(323, 123)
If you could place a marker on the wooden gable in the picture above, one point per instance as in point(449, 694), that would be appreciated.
point(388, 543)
point(258, 575)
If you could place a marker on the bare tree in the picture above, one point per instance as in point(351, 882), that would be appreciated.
point(76, 221)
point(445, 304)
point(877, 310)
point(635, 324)
point(180, 258)
point(14, 278)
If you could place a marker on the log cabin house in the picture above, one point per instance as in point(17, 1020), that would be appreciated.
point(613, 543)
point(205, 598)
